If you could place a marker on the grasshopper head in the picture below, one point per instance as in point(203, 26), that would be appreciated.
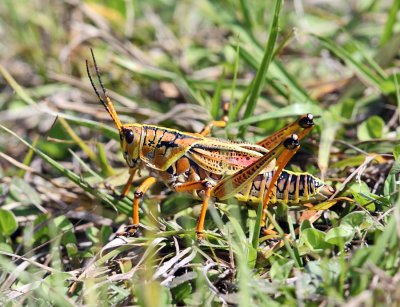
point(129, 136)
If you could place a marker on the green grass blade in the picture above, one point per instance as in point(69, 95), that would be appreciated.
point(85, 166)
point(97, 126)
point(290, 250)
point(17, 88)
point(28, 157)
point(263, 68)
point(246, 15)
point(181, 81)
point(390, 22)
point(123, 206)
point(329, 128)
point(292, 110)
point(361, 69)
point(277, 72)
point(255, 235)
point(216, 99)
point(231, 115)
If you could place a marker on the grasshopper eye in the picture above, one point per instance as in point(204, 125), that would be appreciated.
point(129, 136)
point(121, 137)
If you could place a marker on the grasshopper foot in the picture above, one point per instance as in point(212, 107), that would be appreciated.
point(118, 196)
point(114, 194)
point(129, 232)
point(267, 232)
point(200, 237)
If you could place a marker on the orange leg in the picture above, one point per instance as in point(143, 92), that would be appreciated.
point(217, 123)
point(198, 185)
point(128, 184)
point(138, 195)
point(305, 121)
point(280, 163)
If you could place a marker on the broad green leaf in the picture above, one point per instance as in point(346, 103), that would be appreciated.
point(315, 239)
point(362, 200)
point(4, 247)
point(42, 232)
point(347, 108)
point(305, 224)
point(359, 187)
point(340, 235)
point(182, 291)
point(66, 227)
point(93, 234)
point(352, 161)
point(281, 269)
point(72, 249)
point(371, 128)
point(8, 223)
point(105, 232)
point(358, 220)
point(361, 194)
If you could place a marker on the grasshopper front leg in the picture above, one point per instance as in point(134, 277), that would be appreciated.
point(128, 184)
point(140, 190)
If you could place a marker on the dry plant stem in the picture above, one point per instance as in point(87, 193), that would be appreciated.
point(350, 146)
point(30, 170)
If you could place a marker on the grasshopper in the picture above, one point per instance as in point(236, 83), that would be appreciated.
point(216, 169)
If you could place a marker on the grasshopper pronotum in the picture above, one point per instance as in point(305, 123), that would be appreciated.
point(215, 168)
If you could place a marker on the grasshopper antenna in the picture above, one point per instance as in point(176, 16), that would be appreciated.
point(107, 103)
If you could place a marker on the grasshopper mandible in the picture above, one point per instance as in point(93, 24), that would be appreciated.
point(210, 168)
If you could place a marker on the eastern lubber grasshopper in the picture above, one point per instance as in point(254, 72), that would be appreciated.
point(215, 168)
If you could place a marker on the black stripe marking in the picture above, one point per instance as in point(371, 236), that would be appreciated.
point(283, 176)
point(302, 183)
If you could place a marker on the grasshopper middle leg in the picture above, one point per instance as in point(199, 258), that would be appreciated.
point(198, 185)
point(217, 123)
